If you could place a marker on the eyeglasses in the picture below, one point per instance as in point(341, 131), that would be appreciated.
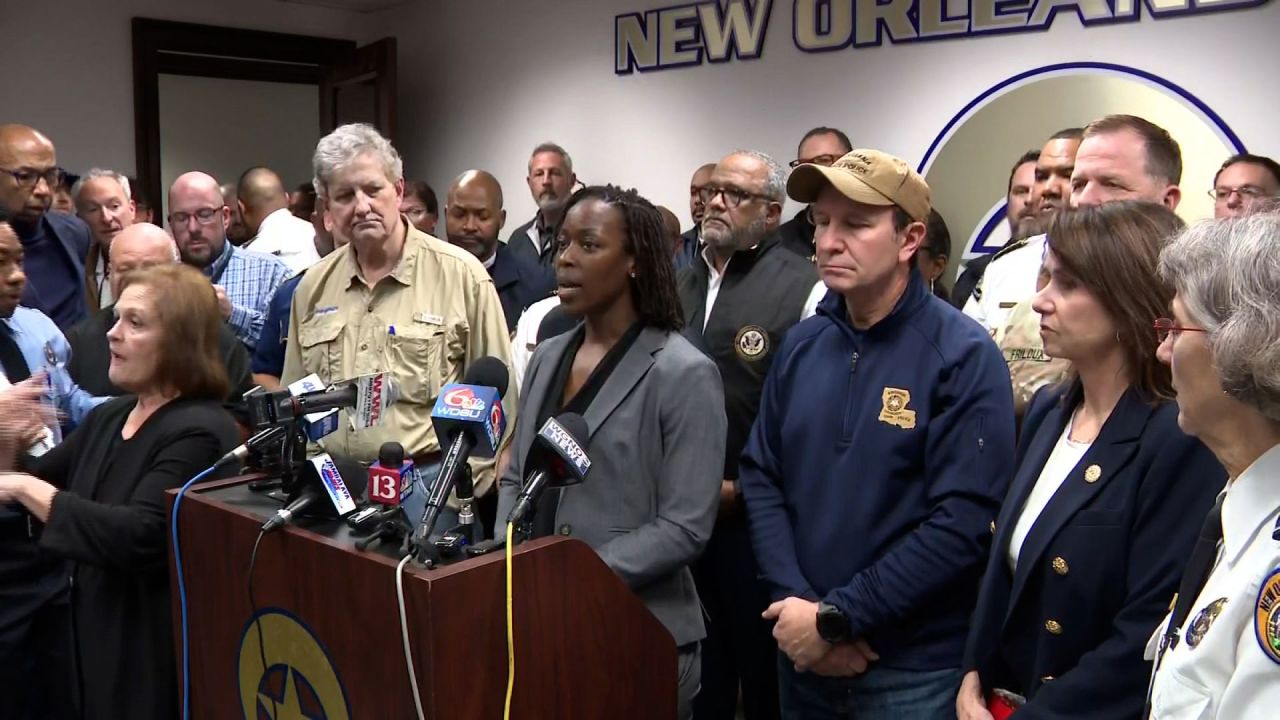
point(204, 216)
point(827, 160)
point(1246, 192)
point(1165, 327)
point(733, 197)
point(28, 177)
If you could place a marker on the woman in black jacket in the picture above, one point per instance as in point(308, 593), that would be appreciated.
point(100, 494)
point(1109, 494)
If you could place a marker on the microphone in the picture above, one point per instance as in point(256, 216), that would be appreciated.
point(391, 478)
point(324, 492)
point(556, 459)
point(468, 418)
point(316, 425)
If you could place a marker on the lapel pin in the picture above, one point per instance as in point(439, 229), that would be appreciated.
point(1092, 473)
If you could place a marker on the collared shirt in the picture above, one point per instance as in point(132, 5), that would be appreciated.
point(525, 340)
point(446, 315)
point(268, 356)
point(45, 349)
point(289, 238)
point(1010, 279)
point(1226, 663)
point(250, 279)
point(714, 279)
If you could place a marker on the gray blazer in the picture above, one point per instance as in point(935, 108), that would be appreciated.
point(649, 501)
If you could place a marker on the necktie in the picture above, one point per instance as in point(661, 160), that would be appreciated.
point(11, 358)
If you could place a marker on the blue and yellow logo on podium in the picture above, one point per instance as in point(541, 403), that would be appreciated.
point(297, 678)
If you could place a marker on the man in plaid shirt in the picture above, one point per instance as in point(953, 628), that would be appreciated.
point(244, 280)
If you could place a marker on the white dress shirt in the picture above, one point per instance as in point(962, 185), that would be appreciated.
point(1219, 667)
point(289, 238)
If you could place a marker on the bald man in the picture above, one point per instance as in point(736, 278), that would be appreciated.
point(271, 227)
point(236, 233)
point(244, 280)
point(140, 246)
point(674, 241)
point(473, 218)
point(54, 244)
point(691, 240)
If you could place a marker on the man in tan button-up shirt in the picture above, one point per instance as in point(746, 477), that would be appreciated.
point(394, 299)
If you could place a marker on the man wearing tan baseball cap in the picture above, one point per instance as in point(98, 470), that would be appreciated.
point(881, 453)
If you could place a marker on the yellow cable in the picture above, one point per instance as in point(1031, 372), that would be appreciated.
point(511, 632)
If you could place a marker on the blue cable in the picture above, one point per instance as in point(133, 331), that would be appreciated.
point(182, 590)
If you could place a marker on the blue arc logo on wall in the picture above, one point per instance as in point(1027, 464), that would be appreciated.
point(969, 162)
point(299, 680)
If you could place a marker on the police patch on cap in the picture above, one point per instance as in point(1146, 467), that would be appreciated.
point(1266, 616)
point(751, 343)
point(1203, 621)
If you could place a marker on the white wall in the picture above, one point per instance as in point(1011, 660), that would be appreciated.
point(68, 64)
point(483, 81)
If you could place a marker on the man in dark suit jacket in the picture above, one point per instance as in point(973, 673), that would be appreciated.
point(54, 244)
point(473, 217)
point(551, 182)
point(819, 146)
point(691, 239)
point(136, 247)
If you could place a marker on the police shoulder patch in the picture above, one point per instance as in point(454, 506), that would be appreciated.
point(1266, 616)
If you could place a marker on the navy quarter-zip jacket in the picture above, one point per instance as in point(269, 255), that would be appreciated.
point(875, 468)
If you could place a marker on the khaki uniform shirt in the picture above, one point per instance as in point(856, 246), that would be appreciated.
point(1029, 368)
point(445, 313)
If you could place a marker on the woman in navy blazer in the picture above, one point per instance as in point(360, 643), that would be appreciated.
point(1109, 494)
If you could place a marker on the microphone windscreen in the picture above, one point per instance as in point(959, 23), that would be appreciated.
point(488, 371)
point(576, 426)
point(354, 474)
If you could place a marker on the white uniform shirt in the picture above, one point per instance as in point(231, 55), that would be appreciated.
point(526, 338)
point(1226, 663)
point(1009, 279)
point(289, 238)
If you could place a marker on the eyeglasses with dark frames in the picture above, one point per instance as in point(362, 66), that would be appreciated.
point(733, 197)
point(27, 177)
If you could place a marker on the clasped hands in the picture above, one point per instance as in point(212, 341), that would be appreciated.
point(796, 630)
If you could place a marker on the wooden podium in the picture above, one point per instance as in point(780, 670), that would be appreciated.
point(586, 647)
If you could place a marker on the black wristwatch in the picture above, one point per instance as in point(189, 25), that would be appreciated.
point(833, 624)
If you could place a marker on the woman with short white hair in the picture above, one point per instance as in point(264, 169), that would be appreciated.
point(1218, 654)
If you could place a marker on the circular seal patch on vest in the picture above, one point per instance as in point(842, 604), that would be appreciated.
point(1266, 616)
point(751, 343)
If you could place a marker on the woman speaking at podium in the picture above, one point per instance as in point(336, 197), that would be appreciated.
point(654, 408)
point(100, 494)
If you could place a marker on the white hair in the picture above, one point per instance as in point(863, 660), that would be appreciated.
point(96, 173)
point(550, 147)
point(340, 147)
point(1227, 275)
point(775, 183)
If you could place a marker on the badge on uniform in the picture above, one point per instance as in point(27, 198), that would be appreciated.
point(894, 411)
point(428, 318)
point(1203, 621)
point(751, 342)
point(1266, 617)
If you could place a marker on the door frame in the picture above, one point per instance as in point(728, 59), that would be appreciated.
point(176, 48)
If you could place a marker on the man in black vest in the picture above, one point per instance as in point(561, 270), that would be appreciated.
point(740, 297)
